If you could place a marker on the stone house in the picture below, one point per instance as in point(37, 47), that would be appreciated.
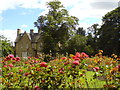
point(28, 44)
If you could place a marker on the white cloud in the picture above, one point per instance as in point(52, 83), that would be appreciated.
point(80, 8)
point(24, 26)
point(85, 8)
point(10, 34)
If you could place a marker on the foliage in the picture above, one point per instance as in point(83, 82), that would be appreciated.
point(93, 38)
point(73, 71)
point(55, 27)
point(76, 43)
point(106, 36)
point(5, 46)
point(109, 33)
point(80, 31)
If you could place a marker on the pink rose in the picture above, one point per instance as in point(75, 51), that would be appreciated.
point(75, 62)
point(36, 87)
point(77, 55)
point(96, 69)
point(84, 54)
point(11, 56)
point(5, 66)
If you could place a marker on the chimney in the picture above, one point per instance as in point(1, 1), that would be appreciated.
point(31, 31)
point(39, 31)
point(18, 32)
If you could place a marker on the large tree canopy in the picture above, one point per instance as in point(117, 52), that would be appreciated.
point(55, 27)
point(109, 33)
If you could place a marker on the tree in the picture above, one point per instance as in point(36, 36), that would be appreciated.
point(6, 46)
point(109, 33)
point(93, 37)
point(80, 31)
point(77, 43)
point(55, 27)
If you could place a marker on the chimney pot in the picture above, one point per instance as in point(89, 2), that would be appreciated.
point(31, 31)
point(18, 31)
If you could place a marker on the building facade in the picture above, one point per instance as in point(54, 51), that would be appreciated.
point(28, 44)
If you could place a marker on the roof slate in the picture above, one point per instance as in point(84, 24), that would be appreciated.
point(33, 37)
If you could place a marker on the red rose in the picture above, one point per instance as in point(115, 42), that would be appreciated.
point(14, 58)
point(17, 58)
point(66, 63)
point(43, 81)
point(26, 62)
point(76, 62)
point(61, 71)
point(81, 74)
point(13, 61)
point(29, 57)
point(43, 64)
point(64, 58)
point(77, 59)
point(26, 74)
point(10, 65)
point(74, 57)
point(7, 58)
point(118, 68)
point(20, 70)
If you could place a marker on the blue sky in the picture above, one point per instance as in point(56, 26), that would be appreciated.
point(22, 14)
point(20, 18)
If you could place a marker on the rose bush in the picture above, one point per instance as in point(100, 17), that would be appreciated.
point(73, 71)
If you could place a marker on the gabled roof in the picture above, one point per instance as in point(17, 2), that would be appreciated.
point(33, 37)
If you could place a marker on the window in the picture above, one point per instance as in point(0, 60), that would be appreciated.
point(27, 46)
point(24, 54)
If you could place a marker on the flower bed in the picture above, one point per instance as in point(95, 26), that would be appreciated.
point(73, 71)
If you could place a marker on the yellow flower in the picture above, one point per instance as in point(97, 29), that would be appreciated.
point(115, 56)
point(101, 51)
point(95, 61)
point(71, 55)
point(90, 66)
